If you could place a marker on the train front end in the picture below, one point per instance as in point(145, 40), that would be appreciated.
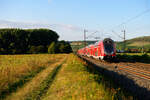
point(109, 49)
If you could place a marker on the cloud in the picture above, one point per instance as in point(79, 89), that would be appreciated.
point(25, 25)
point(66, 31)
point(49, 1)
point(67, 27)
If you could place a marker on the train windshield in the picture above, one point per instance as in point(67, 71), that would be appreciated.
point(108, 46)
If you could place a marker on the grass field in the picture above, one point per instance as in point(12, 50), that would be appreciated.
point(75, 82)
point(54, 77)
point(134, 57)
point(16, 70)
point(136, 43)
point(133, 54)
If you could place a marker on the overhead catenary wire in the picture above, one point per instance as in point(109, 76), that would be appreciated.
point(91, 34)
point(134, 17)
point(117, 34)
point(123, 23)
point(129, 20)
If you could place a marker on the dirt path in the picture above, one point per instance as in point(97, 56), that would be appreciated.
point(32, 90)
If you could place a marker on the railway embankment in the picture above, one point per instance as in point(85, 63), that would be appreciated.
point(134, 80)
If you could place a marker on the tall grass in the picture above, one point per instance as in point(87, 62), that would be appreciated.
point(75, 82)
point(36, 88)
point(134, 57)
point(16, 70)
point(39, 77)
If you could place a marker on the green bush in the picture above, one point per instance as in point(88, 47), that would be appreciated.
point(51, 48)
point(145, 58)
point(19, 41)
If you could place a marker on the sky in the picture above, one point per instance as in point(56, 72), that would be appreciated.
point(69, 18)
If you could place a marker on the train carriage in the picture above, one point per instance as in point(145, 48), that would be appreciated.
point(105, 49)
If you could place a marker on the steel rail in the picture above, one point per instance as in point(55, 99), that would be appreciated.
point(136, 74)
point(136, 69)
point(126, 68)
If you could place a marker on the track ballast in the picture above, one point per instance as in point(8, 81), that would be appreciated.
point(131, 76)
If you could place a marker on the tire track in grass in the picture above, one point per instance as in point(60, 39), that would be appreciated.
point(44, 86)
point(33, 85)
point(22, 78)
point(20, 83)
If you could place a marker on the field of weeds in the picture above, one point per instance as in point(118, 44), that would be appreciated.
point(16, 70)
point(53, 77)
point(76, 81)
point(134, 57)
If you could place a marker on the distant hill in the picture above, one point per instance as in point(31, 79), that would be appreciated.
point(135, 43)
point(79, 44)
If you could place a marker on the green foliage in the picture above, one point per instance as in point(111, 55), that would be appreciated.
point(13, 41)
point(37, 49)
point(51, 48)
point(59, 47)
point(63, 47)
point(42, 37)
point(136, 43)
point(144, 58)
point(19, 41)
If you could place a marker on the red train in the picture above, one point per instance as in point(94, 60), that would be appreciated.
point(105, 49)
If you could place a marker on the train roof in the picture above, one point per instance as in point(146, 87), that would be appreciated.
point(107, 39)
point(97, 43)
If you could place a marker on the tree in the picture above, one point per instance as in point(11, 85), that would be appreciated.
point(42, 37)
point(19, 41)
point(51, 48)
point(63, 47)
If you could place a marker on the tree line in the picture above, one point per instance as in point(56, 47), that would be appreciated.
point(31, 41)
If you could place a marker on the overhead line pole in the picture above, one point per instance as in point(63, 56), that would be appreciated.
point(85, 37)
point(143, 46)
point(124, 32)
point(133, 18)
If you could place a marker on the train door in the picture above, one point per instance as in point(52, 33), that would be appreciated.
point(96, 51)
point(92, 51)
point(99, 51)
point(88, 52)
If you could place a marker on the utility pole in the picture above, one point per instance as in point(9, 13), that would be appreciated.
point(85, 37)
point(124, 38)
point(143, 46)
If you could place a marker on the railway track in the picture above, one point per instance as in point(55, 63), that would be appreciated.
point(136, 72)
point(131, 77)
point(128, 69)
